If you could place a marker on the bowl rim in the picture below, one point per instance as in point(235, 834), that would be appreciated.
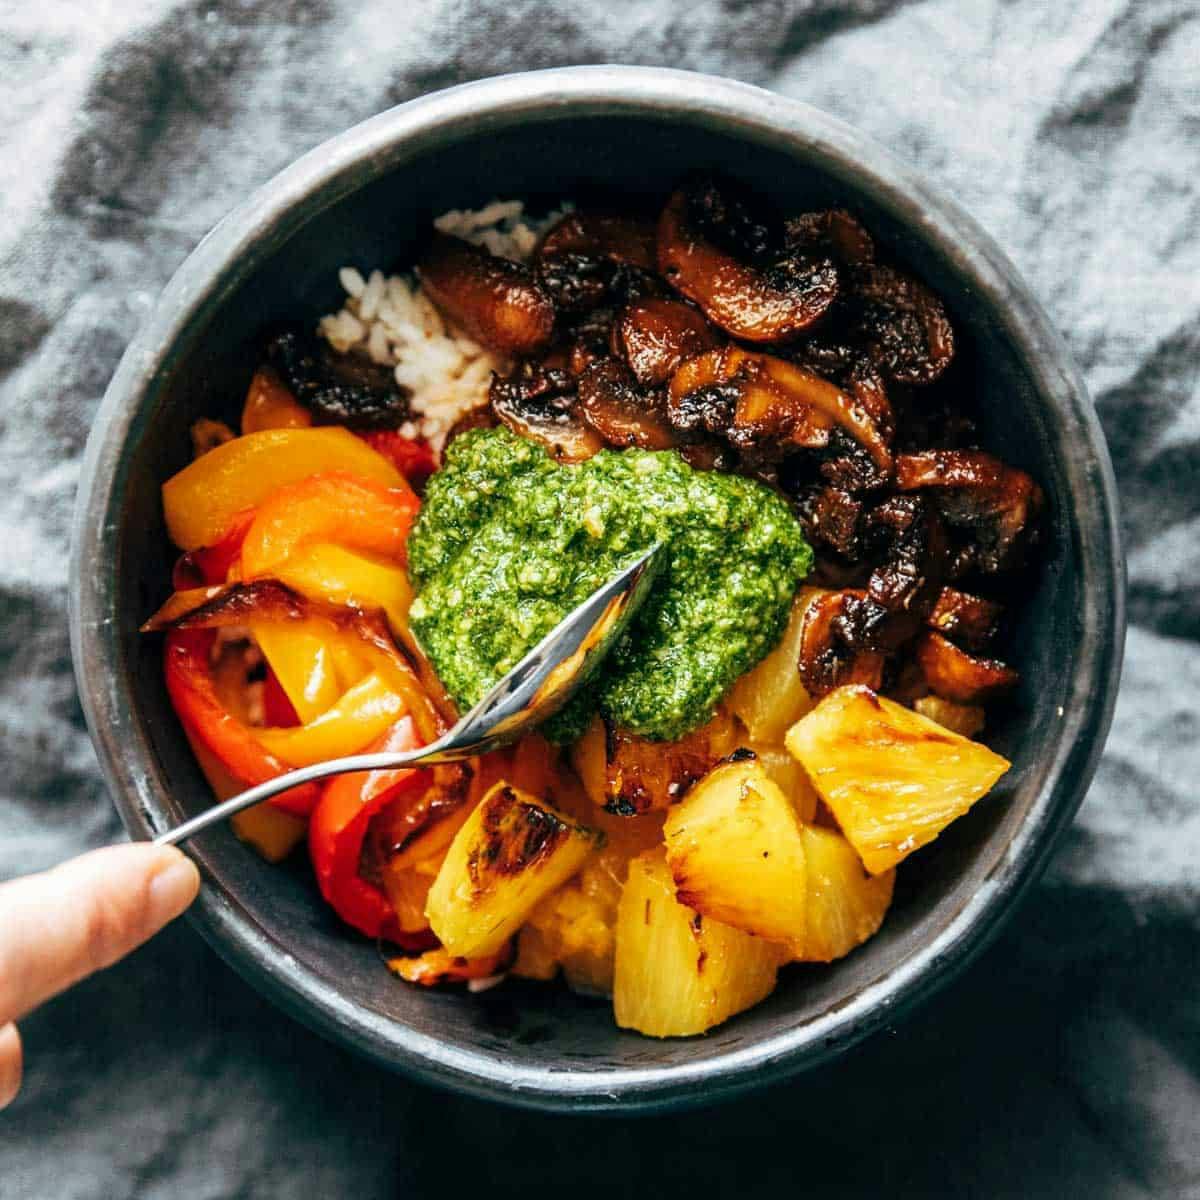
point(244, 238)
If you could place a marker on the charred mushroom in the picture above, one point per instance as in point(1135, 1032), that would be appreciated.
point(620, 412)
point(540, 403)
point(956, 675)
point(834, 639)
point(769, 296)
point(903, 326)
point(622, 237)
point(655, 336)
point(995, 504)
point(498, 302)
point(348, 389)
point(968, 621)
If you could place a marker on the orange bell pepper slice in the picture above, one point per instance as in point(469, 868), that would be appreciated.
point(208, 722)
point(208, 566)
point(201, 501)
point(271, 405)
point(333, 506)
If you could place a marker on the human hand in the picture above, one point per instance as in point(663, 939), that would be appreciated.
point(61, 925)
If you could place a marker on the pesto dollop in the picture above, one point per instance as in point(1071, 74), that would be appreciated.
point(508, 542)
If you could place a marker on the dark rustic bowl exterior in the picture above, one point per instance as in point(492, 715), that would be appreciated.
point(362, 198)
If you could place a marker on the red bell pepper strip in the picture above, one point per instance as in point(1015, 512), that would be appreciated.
point(339, 827)
point(209, 565)
point(412, 457)
point(278, 711)
point(190, 686)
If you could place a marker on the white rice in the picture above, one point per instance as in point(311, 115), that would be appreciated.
point(389, 318)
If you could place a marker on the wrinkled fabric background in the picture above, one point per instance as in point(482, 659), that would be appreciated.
point(1065, 1062)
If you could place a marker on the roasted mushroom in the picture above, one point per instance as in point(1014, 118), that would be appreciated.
point(832, 231)
point(348, 389)
point(968, 621)
point(541, 403)
point(834, 643)
point(997, 505)
point(622, 237)
point(497, 301)
point(955, 675)
point(769, 296)
point(655, 336)
point(775, 404)
point(903, 326)
point(622, 413)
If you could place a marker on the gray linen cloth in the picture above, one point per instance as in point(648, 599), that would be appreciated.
point(1064, 1063)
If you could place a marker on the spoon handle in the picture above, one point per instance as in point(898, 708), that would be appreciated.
point(281, 783)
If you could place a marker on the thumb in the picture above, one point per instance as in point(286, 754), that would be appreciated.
point(60, 925)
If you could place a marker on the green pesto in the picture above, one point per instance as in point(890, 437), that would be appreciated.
point(508, 542)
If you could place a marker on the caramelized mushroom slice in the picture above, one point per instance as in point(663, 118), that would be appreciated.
point(903, 326)
point(955, 675)
point(612, 404)
point(995, 503)
point(348, 389)
point(774, 403)
point(835, 232)
point(496, 301)
point(968, 621)
point(770, 302)
point(833, 639)
point(621, 237)
point(655, 336)
point(908, 532)
point(540, 403)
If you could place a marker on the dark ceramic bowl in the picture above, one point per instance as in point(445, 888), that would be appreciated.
point(364, 198)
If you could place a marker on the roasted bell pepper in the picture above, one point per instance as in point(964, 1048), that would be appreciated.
point(331, 572)
point(208, 721)
point(277, 708)
point(334, 506)
point(413, 457)
point(271, 405)
point(302, 655)
point(339, 827)
point(208, 566)
point(368, 709)
point(201, 501)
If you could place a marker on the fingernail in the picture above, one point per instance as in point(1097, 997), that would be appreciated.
point(173, 887)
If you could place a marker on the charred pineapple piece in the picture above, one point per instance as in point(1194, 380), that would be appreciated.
point(893, 778)
point(964, 719)
point(845, 904)
point(436, 967)
point(629, 775)
point(771, 698)
point(790, 777)
point(679, 973)
point(513, 850)
point(736, 854)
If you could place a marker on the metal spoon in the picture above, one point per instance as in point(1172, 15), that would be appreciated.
point(537, 687)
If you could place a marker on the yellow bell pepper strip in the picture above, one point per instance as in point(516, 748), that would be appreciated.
point(201, 501)
point(332, 573)
point(299, 654)
point(211, 565)
point(271, 405)
point(366, 711)
point(334, 506)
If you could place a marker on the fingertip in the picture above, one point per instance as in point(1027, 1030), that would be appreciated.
point(11, 1064)
point(173, 887)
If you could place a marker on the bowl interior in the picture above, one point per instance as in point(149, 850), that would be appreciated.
point(544, 159)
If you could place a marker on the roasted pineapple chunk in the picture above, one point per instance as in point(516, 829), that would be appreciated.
point(893, 778)
point(770, 698)
point(845, 904)
point(964, 719)
point(679, 973)
point(513, 850)
point(790, 777)
point(735, 851)
point(628, 774)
